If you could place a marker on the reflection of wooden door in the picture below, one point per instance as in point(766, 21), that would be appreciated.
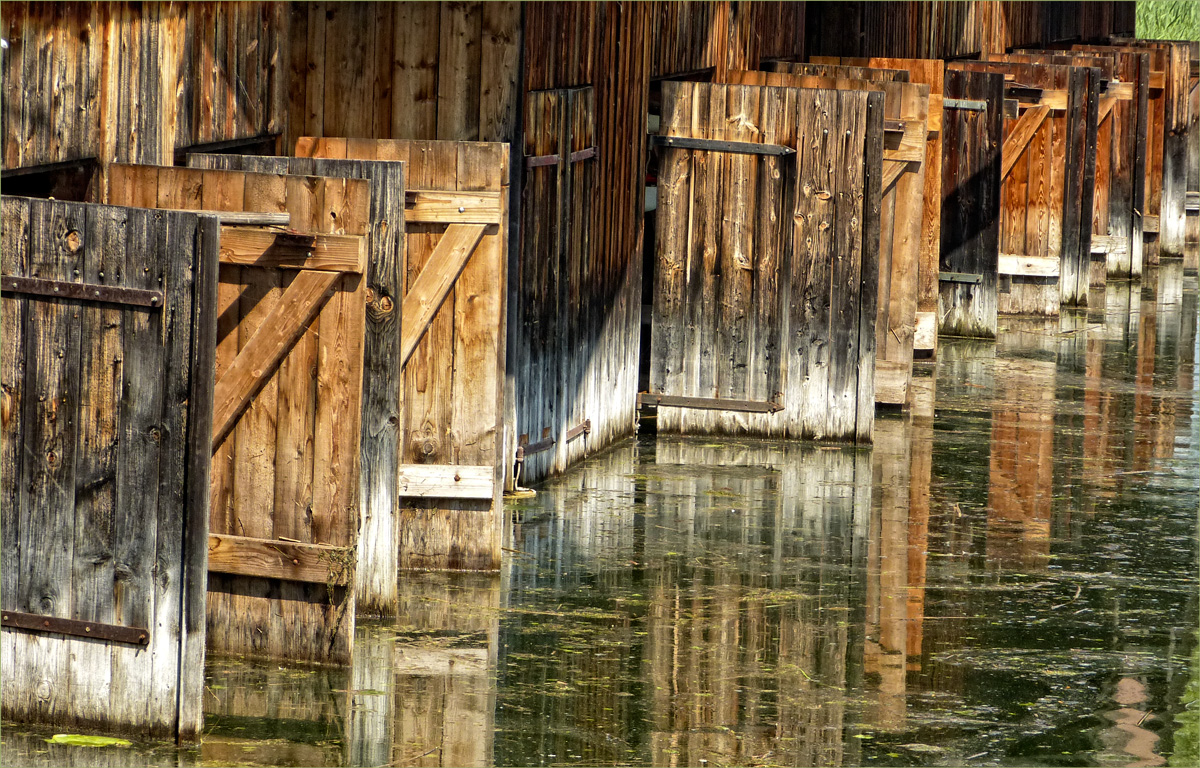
point(558, 281)
point(106, 368)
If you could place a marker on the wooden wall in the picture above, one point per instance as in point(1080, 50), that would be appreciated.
point(926, 29)
point(130, 82)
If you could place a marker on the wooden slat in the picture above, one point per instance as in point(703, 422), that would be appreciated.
point(719, 145)
point(426, 295)
point(273, 559)
point(434, 207)
point(1019, 136)
point(908, 144)
point(1028, 266)
point(447, 481)
point(259, 357)
point(892, 170)
point(242, 246)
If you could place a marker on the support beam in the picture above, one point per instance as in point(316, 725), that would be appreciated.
point(277, 334)
point(423, 300)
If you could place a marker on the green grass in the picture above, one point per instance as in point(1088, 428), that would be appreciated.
point(1168, 19)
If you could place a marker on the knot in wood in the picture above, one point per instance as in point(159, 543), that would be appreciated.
point(74, 241)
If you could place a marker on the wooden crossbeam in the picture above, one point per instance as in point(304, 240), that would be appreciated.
point(246, 247)
point(1018, 138)
point(271, 559)
point(425, 297)
point(1106, 107)
point(447, 481)
point(277, 334)
point(892, 171)
point(430, 206)
point(908, 143)
point(1028, 266)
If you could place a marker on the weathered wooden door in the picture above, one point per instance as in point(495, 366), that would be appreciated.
point(284, 510)
point(556, 390)
point(766, 268)
point(451, 343)
point(970, 254)
point(107, 373)
point(1043, 259)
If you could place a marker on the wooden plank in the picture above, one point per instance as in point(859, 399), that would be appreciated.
point(1019, 135)
point(722, 145)
point(414, 71)
point(243, 246)
point(274, 559)
point(265, 348)
point(458, 67)
point(1028, 266)
point(425, 296)
point(499, 67)
point(14, 259)
point(338, 414)
point(435, 207)
point(447, 481)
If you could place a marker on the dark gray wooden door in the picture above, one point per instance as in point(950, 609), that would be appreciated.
point(107, 373)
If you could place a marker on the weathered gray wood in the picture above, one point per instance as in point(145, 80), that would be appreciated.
point(14, 227)
point(871, 273)
point(115, 392)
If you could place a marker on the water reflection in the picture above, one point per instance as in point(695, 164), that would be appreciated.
point(1007, 577)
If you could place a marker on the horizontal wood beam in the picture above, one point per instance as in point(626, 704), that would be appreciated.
point(276, 335)
point(271, 559)
point(891, 382)
point(969, 278)
point(245, 218)
point(1150, 224)
point(973, 105)
point(434, 207)
point(447, 481)
point(1028, 266)
point(716, 145)
point(1158, 79)
point(1120, 91)
point(1019, 136)
point(423, 300)
point(708, 403)
point(906, 144)
point(248, 247)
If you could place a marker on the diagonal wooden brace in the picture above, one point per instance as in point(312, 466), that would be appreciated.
point(423, 300)
point(277, 334)
point(1018, 138)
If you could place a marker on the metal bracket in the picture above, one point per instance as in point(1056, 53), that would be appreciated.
point(708, 403)
point(62, 289)
point(969, 104)
point(715, 145)
point(960, 277)
point(111, 632)
point(583, 154)
point(540, 161)
point(579, 429)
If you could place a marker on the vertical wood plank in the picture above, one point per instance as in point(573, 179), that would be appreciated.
point(14, 260)
point(458, 69)
point(415, 71)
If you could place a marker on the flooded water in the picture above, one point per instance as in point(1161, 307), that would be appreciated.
point(1009, 577)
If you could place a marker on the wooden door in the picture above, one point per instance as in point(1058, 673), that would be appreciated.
point(970, 253)
point(108, 348)
point(557, 294)
point(766, 267)
point(284, 512)
point(451, 347)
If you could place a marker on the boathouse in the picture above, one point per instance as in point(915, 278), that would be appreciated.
point(311, 285)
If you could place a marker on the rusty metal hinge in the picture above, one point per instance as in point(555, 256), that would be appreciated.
point(113, 633)
point(109, 294)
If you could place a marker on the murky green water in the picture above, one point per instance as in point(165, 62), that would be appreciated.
point(1009, 577)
